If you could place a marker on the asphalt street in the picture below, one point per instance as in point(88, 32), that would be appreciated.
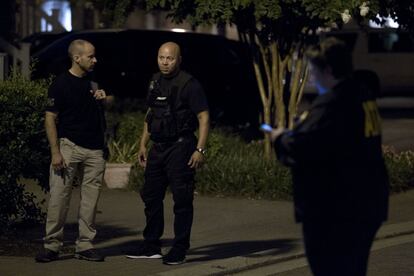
point(391, 261)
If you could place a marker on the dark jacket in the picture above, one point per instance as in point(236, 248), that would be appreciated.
point(336, 159)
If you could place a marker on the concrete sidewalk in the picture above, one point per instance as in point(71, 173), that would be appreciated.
point(229, 236)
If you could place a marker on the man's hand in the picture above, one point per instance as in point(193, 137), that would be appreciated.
point(99, 94)
point(58, 163)
point(142, 157)
point(196, 160)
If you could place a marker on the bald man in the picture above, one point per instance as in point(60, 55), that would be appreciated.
point(177, 106)
point(76, 142)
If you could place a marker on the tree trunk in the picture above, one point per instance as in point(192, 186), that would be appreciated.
point(78, 14)
point(300, 71)
point(270, 70)
point(266, 102)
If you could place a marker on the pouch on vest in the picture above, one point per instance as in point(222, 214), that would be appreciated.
point(162, 123)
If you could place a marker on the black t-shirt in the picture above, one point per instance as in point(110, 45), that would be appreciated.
point(80, 116)
point(192, 96)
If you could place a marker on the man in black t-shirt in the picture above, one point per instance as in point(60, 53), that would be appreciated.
point(75, 125)
point(177, 104)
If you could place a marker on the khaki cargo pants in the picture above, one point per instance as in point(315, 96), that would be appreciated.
point(61, 183)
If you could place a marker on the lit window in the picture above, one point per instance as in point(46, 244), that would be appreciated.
point(65, 15)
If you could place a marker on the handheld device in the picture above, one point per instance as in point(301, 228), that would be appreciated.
point(266, 128)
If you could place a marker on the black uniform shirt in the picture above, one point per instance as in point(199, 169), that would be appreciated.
point(192, 96)
point(79, 114)
point(336, 158)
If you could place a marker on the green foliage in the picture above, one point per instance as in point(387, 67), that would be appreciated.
point(23, 147)
point(288, 20)
point(124, 146)
point(115, 13)
point(136, 177)
point(249, 14)
point(234, 168)
point(130, 127)
point(400, 169)
point(122, 152)
point(239, 169)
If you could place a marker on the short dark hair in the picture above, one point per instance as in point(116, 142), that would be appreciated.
point(76, 45)
point(334, 53)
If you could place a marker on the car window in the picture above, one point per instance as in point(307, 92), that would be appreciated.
point(389, 42)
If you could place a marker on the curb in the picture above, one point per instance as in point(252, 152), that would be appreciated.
point(266, 258)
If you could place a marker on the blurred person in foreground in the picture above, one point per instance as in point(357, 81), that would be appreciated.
point(75, 127)
point(177, 106)
point(339, 176)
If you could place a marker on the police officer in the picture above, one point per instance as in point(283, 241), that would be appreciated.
point(339, 177)
point(177, 104)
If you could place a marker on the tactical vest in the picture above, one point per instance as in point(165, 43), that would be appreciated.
point(169, 117)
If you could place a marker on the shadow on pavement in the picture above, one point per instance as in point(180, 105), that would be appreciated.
point(123, 248)
point(27, 240)
point(242, 248)
point(104, 232)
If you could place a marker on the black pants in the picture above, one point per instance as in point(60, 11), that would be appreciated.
point(167, 164)
point(339, 248)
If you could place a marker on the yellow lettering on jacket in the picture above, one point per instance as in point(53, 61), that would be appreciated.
point(372, 119)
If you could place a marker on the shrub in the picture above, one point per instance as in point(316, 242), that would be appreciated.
point(400, 169)
point(234, 168)
point(23, 148)
point(239, 169)
point(124, 145)
point(122, 152)
point(136, 177)
point(129, 129)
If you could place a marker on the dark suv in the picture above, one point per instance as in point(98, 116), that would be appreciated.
point(128, 58)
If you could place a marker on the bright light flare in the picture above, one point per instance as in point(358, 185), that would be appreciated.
point(389, 23)
point(178, 30)
point(65, 16)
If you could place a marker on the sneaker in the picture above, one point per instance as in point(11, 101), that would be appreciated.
point(89, 255)
point(146, 251)
point(176, 256)
point(47, 255)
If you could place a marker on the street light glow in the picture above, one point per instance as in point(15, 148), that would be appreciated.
point(64, 14)
point(178, 30)
point(389, 23)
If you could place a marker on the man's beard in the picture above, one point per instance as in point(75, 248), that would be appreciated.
point(86, 69)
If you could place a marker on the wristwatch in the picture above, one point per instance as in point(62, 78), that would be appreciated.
point(202, 151)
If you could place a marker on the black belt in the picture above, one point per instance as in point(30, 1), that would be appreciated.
point(164, 145)
point(179, 138)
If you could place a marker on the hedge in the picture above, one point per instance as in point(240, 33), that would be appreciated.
point(23, 148)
